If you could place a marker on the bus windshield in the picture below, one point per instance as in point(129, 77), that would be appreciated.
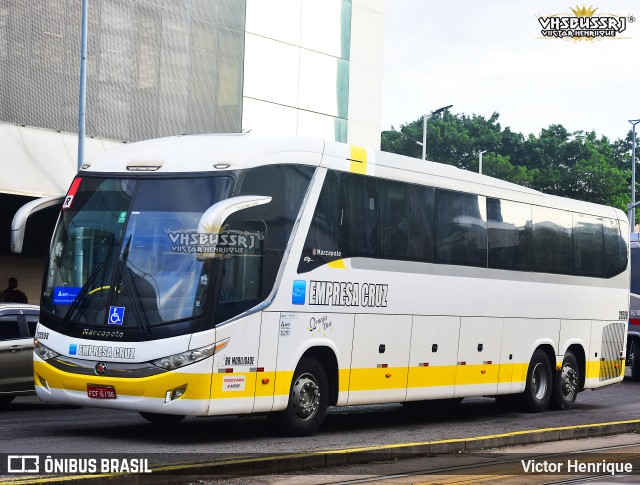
point(123, 252)
point(139, 259)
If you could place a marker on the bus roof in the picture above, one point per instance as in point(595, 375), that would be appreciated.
point(218, 152)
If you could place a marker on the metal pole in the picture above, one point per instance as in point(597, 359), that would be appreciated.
point(83, 83)
point(632, 209)
point(424, 138)
point(480, 160)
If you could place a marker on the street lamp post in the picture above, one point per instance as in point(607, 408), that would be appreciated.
point(424, 128)
point(632, 207)
point(83, 83)
point(480, 160)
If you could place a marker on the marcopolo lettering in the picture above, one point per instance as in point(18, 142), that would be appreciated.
point(104, 351)
point(341, 293)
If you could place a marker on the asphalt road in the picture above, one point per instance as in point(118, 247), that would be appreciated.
point(29, 426)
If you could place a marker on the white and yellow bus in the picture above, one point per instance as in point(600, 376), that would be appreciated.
point(229, 274)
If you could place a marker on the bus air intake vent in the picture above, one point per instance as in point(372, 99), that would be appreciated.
point(611, 363)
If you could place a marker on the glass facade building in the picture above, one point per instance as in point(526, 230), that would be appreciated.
point(170, 67)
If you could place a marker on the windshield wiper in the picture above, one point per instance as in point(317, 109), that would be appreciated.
point(82, 292)
point(141, 316)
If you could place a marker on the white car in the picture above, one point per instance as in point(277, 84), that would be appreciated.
point(17, 329)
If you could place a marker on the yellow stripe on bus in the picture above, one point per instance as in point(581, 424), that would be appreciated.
point(337, 264)
point(278, 383)
point(358, 160)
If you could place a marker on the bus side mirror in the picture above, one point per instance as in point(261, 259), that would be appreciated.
point(213, 218)
point(20, 219)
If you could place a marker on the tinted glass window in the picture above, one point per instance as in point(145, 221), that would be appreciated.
point(615, 248)
point(509, 235)
point(635, 271)
point(552, 241)
point(406, 221)
point(344, 223)
point(9, 327)
point(461, 228)
point(248, 278)
point(588, 244)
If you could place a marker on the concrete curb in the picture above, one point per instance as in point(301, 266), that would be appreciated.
point(263, 465)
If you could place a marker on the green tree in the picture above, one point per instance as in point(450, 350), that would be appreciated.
point(579, 165)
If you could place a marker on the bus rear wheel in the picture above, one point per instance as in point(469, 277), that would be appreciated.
point(537, 392)
point(566, 383)
point(158, 418)
point(308, 401)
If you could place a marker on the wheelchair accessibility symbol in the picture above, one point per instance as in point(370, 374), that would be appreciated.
point(116, 315)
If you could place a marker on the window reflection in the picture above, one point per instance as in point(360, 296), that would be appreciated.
point(509, 235)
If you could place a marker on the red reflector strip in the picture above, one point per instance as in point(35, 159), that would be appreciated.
point(487, 362)
point(68, 200)
point(225, 370)
point(383, 366)
point(424, 364)
point(256, 369)
point(634, 321)
point(462, 363)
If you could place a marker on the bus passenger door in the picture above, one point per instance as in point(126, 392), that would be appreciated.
point(478, 368)
point(235, 367)
point(379, 358)
point(434, 352)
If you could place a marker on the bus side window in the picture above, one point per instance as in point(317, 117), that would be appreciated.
point(552, 241)
point(344, 223)
point(461, 228)
point(406, 219)
point(249, 277)
point(588, 243)
point(358, 217)
point(615, 249)
point(509, 235)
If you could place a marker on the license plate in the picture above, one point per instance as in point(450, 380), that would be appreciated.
point(101, 392)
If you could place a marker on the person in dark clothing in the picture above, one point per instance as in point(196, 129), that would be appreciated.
point(12, 294)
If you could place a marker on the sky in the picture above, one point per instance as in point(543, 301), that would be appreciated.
point(490, 56)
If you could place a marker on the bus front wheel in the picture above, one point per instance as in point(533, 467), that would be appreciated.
point(308, 401)
point(566, 383)
point(537, 392)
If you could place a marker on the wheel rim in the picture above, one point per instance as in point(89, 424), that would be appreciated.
point(539, 381)
point(568, 382)
point(305, 397)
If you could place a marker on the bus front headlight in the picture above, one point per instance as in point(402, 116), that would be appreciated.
point(45, 353)
point(176, 361)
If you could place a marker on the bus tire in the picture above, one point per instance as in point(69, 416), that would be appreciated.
point(635, 360)
point(158, 418)
point(308, 401)
point(537, 391)
point(566, 383)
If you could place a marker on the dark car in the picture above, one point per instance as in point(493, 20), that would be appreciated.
point(17, 329)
